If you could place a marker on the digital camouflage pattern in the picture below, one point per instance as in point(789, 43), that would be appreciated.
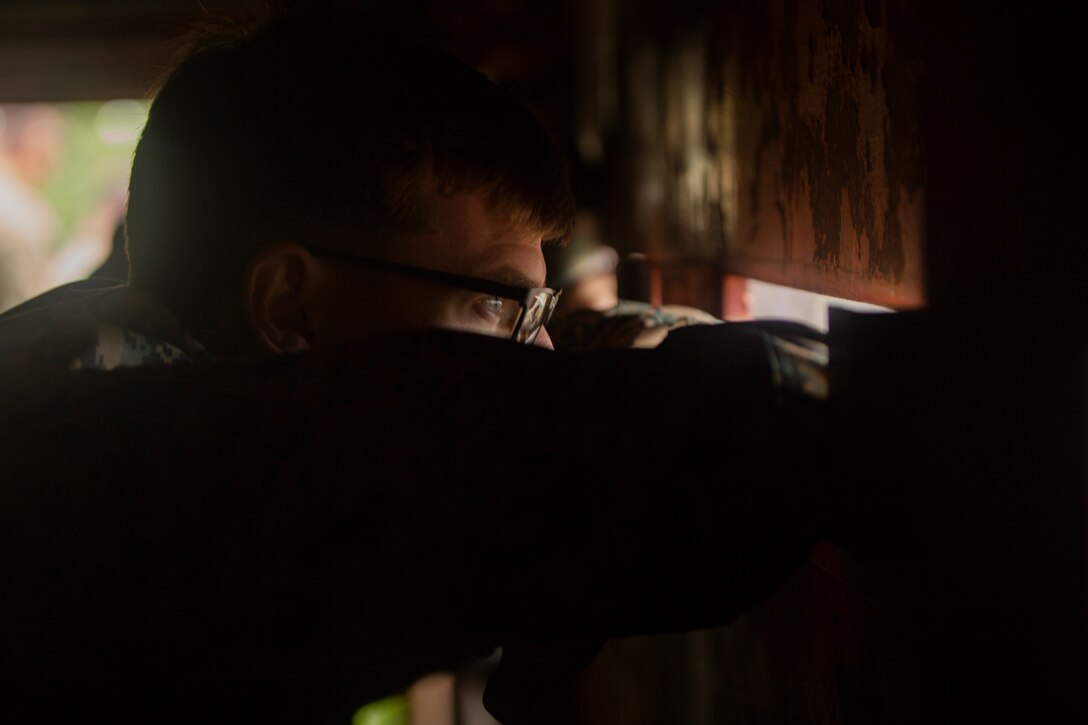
point(628, 324)
point(94, 325)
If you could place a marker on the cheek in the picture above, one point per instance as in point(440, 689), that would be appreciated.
point(347, 307)
point(384, 304)
point(543, 339)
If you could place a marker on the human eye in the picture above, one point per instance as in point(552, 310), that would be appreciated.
point(491, 307)
point(495, 315)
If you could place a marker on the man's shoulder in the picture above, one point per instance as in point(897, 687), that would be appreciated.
point(94, 324)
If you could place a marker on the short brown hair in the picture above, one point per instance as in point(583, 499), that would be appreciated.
point(317, 125)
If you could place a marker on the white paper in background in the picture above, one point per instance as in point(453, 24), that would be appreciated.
point(772, 301)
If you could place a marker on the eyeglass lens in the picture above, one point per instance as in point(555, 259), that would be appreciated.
point(534, 317)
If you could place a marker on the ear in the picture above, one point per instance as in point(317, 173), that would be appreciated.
point(279, 285)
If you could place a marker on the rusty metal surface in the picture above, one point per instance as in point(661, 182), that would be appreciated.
point(829, 158)
point(71, 50)
point(780, 140)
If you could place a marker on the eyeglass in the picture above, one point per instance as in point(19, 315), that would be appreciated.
point(522, 322)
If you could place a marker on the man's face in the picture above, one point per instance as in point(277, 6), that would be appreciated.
point(467, 238)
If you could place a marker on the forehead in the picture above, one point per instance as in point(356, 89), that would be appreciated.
point(468, 236)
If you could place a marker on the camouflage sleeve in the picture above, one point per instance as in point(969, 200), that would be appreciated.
point(115, 347)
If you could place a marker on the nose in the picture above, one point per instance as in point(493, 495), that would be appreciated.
point(543, 339)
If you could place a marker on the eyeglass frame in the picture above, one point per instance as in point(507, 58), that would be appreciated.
point(524, 296)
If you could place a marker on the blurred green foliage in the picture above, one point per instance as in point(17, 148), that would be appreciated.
point(99, 140)
point(390, 711)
